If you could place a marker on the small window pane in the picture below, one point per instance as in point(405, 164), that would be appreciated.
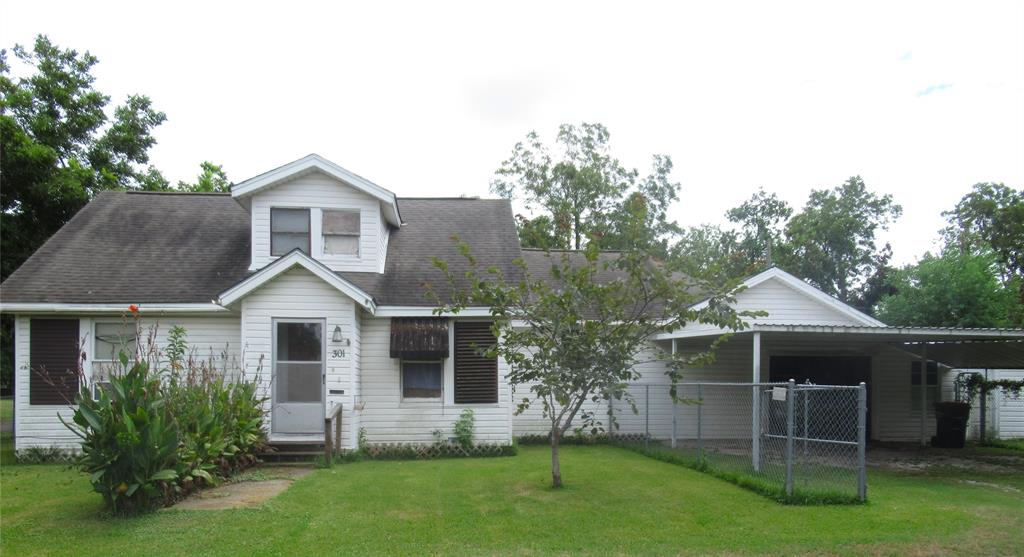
point(421, 379)
point(341, 222)
point(113, 338)
point(299, 342)
point(341, 245)
point(289, 220)
point(286, 242)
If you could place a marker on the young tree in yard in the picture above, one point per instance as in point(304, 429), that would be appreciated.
point(955, 289)
point(831, 242)
point(585, 191)
point(573, 339)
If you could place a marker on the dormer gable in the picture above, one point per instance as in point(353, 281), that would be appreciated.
point(335, 216)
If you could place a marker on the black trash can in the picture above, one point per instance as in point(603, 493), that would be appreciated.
point(951, 424)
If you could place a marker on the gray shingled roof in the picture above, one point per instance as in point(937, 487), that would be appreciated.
point(130, 247)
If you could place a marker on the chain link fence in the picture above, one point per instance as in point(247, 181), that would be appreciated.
point(802, 441)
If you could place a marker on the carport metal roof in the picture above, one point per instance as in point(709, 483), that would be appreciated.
point(961, 348)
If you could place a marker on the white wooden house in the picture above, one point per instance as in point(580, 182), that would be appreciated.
point(313, 280)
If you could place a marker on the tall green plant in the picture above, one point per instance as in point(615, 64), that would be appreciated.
point(129, 439)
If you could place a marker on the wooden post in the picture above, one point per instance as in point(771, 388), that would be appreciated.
point(328, 449)
point(337, 434)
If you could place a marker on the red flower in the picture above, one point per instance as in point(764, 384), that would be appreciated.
point(134, 309)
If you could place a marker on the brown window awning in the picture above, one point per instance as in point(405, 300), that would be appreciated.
point(419, 338)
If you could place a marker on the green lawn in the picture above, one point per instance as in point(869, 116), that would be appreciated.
point(6, 409)
point(615, 502)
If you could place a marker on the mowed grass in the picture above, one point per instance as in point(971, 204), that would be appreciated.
point(6, 409)
point(614, 502)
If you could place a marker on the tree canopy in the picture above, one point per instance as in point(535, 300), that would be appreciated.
point(583, 193)
point(60, 146)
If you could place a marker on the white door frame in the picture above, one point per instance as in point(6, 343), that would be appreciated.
point(319, 427)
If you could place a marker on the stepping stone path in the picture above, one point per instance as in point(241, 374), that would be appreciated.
point(244, 493)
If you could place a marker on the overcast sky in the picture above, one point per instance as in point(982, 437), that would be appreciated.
point(426, 99)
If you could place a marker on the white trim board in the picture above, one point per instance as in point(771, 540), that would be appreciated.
point(145, 309)
point(314, 162)
point(296, 258)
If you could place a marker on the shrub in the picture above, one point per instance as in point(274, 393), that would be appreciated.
point(464, 428)
point(129, 439)
point(153, 436)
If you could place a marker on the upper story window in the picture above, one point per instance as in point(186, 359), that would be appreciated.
point(340, 232)
point(289, 229)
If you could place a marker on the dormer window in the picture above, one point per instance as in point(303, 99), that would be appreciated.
point(289, 229)
point(340, 232)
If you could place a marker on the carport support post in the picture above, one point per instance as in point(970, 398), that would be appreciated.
point(755, 447)
point(924, 393)
point(862, 441)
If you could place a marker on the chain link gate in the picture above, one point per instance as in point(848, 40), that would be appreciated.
point(799, 438)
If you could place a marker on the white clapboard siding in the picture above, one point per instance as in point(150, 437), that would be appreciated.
point(298, 294)
point(387, 418)
point(784, 305)
point(317, 190)
point(209, 338)
point(1009, 408)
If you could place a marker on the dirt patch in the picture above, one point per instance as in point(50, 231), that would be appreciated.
point(922, 459)
point(249, 491)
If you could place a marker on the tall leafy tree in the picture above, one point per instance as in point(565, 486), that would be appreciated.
point(831, 242)
point(762, 218)
point(955, 289)
point(582, 191)
point(710, 253)
point(60, 145)
point(991, 217)
point(211, 178)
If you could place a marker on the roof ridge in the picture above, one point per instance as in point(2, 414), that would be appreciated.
point(147, 192)
point(450, 198)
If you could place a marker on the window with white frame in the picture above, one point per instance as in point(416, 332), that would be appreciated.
point(289, 229)
point(422, 379)
point(110, 339)
point(340, 229)
point(932, 385)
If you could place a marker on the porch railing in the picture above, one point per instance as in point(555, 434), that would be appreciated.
point(332, 447)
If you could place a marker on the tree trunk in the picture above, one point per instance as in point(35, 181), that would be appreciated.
point(556, 468)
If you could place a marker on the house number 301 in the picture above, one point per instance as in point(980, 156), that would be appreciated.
point(340, 353)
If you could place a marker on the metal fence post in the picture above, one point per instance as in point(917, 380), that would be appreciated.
point(647, 416)
point(789, 436)
point(700, 433)
point(862, 442)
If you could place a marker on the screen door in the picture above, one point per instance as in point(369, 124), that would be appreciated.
point(298, 376)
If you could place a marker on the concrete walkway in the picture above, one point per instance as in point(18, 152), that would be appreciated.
point(250, 490)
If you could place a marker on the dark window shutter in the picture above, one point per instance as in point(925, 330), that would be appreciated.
point(53, 361)
point(476, 376)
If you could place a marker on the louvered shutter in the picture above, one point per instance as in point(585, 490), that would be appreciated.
point(476, 376)
point(53, 361)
